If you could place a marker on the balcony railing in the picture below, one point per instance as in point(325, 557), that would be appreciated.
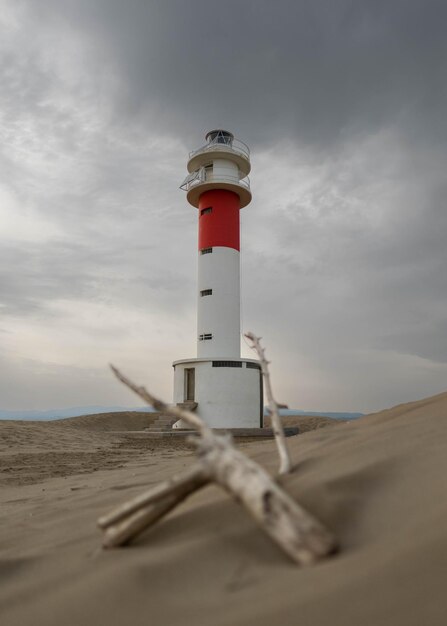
point(201, 176)
point(236, 145)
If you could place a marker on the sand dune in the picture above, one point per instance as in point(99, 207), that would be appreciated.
point(306, 422)
point(33, 451)
point(378, 482)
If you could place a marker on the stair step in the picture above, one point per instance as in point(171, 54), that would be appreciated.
point(162, 423)
point(188, 405)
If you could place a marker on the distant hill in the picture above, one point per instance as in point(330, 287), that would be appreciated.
point(103, 422)
point(333, 415)
point(55, 414)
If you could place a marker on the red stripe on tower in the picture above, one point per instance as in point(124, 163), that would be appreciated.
point(219, 219)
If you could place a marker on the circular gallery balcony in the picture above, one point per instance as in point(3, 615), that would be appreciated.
point(202, 180)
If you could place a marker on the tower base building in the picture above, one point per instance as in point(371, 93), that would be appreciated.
point(225, 390)
point(228, 394)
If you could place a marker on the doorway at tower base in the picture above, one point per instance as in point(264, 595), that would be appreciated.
point(228, 392)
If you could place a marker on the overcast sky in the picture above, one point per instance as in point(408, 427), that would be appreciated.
point(343, 104)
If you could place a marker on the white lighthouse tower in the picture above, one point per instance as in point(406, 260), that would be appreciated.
point(225, 390)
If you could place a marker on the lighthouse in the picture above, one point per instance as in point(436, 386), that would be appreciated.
point(224, 389)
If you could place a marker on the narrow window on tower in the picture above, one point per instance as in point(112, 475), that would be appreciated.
point(206, 251)
point(205, 337)
point(206, 292)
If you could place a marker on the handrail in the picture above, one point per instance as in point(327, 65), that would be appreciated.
point(188, 184)
point(236, 145)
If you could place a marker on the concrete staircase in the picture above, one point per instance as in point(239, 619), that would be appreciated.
point(188, 405)
point(161, 423)
point(164, 423)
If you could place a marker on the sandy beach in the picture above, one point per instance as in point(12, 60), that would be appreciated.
point(379, 483)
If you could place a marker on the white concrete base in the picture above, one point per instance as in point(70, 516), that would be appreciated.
point(227, 396)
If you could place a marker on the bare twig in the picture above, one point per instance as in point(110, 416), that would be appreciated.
point(194, 476)
point(131, 526)
point(285, 464)
point(134, 517)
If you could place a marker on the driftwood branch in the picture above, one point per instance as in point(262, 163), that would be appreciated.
point(291, 527)
point(130, 521)
point(194, 476)
point(285, 464)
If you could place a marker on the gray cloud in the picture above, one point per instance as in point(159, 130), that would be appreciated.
point(314, 71)
point(62, 270)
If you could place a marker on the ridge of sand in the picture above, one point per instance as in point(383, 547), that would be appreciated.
point(377, 482)
point(305, 423)
point(32, 451)
point(433, 406)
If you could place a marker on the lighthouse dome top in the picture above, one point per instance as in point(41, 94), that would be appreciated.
point(220, 144)
point(219, 136)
